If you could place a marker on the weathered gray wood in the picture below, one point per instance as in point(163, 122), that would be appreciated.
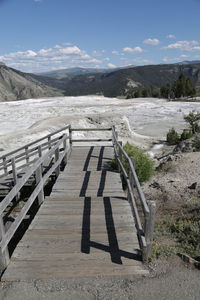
point(26, 154)
point(14, 171)
point(70, 136)
point(145, 236)
point(27, 175)
point(36, 141)
point(54, 244)
point(5, 165)
point(4, 255)
point(91, 140)
point(149, 226)
point(57, 155)
point(38, 175)
point(91, 129)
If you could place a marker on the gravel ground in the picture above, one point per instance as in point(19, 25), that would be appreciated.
point(168, 280)
point(177, 181)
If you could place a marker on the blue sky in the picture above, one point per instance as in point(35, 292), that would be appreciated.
point(42, 35)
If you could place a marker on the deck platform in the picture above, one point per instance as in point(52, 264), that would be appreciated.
point(84, 228)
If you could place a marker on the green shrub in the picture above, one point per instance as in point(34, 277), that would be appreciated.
point(186, 134)
point(172, 137)
point(196, 144)
point(144, 165)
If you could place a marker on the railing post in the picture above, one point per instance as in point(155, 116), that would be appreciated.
point(14, 171)
point(65, 148)
point(70, 136)
point(40, 155)
point(15, 178)
point(131, 177)
point(5, 165)
point(49, 142)
point(119, 151)
point(149, 226)
point(38, 177)
point(27, 155)
point(119, 154)
point(57, 155)
point(4, 255)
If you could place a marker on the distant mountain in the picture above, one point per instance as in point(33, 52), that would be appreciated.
point(189, 62)
point(71, 72)
point(120, 82)
point(16, 85)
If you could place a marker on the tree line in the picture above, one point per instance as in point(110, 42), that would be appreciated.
point(181, 88)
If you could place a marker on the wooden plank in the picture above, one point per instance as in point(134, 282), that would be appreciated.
point(33, 270)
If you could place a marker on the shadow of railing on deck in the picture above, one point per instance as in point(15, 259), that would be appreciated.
point(116, 253)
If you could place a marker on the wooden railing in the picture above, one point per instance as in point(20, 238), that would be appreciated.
point(14, 161)
point(58, 153)
point(56, 147)
point(88, 130)
point(145, 230)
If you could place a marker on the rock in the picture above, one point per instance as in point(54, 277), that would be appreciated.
point(187, 145)
point(193, 186)
point(155, 185)
point(170, 158)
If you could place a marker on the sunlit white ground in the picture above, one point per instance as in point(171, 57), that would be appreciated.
point(141, 120)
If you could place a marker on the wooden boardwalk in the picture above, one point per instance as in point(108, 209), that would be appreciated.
point(84, 228)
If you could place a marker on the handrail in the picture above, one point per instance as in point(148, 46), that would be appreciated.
point(35, 142)
point(25, 152)
point(38, 192)
point(58, 153)
point(90, 140)
point(145, 235)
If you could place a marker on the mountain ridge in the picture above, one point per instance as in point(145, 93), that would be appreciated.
point(16, 85)
point(120, 82)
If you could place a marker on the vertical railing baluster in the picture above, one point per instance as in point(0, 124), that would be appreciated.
point(14, 171)
point(38, 175)
point(40, 155)
point(70, 136)
point(5, 165)
point(149, 226)
point(15, 177)
point(4, 255)
point(57, 155)
point(49, 142)
point(27, 154)
point(65, 150)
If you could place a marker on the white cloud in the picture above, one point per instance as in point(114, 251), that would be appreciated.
point(153, 42)
point(135, 61)
point(170, 36)
point(184, 56)
point(111, 66)
point(174, 59)
point(70, 50)
point(133, 50)
point(59, 56)
point(98, 53)
point(184, 46)
point(115, 52)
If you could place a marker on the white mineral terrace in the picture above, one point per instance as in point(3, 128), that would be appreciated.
point(141, 120)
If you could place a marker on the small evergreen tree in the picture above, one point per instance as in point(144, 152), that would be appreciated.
point(172, 137)
point(137, 94)
point(192, 119)
point(186, 134)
